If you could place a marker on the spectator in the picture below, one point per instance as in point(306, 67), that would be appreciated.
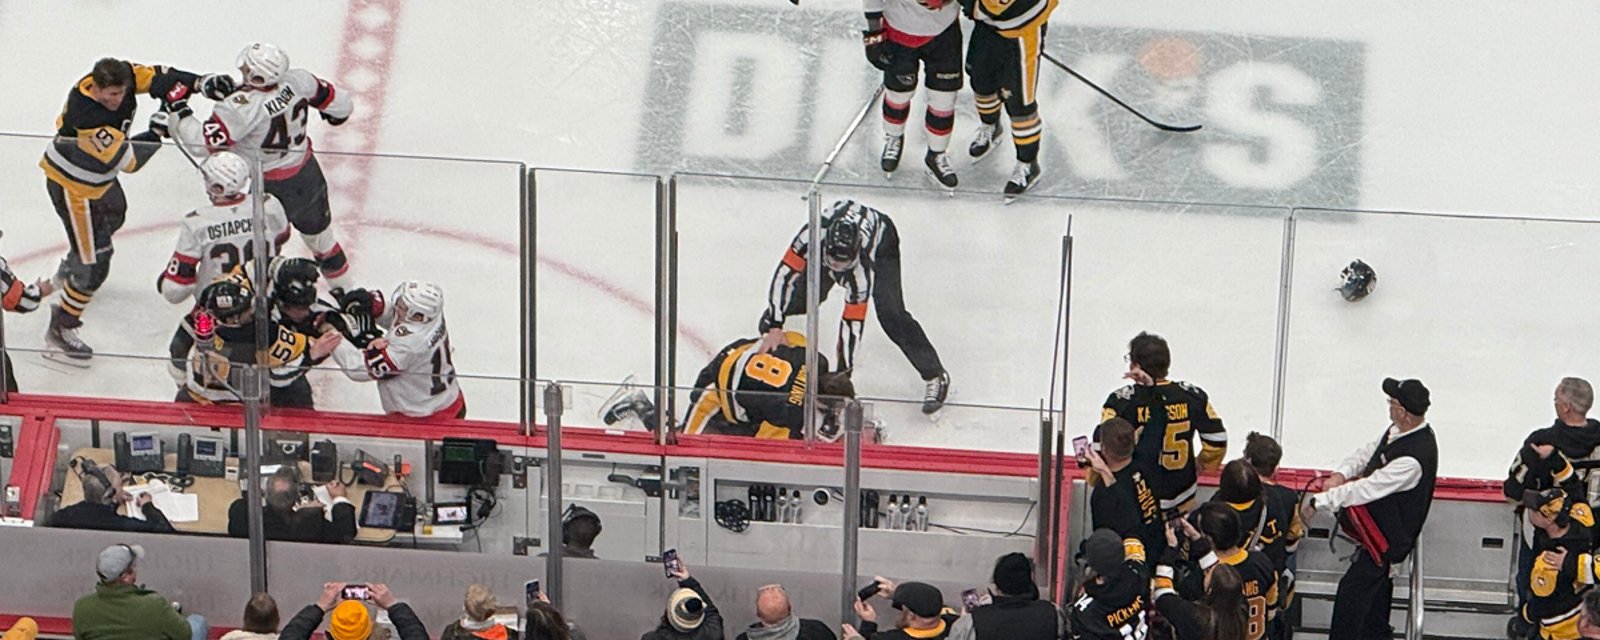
point(1219, 613)
point(1223, 533)
point(1168, 413)
point(1389, 485)
point(578, 531)
point(285, 518)
point(477, 623)
point(1589, 620)
point(1240, 489)
point(1115, 587)
point(260, 620)
point(24, 629)
point(690, 614)
point(922, 612)
point(1544, 461)
point(1122, 500)
point(350, 620)
point(776, 619)
point(1281, 538)
point(1017, 612)
point(102, 495)
point(120, 609)
point(1564, 568)
point(545, 622)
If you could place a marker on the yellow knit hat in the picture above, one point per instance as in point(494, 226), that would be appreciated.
point(350, 621)
point(24, 629)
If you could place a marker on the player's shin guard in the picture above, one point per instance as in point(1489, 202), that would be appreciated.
point(988, 108)
point(896, 108)
point(941, 117)
point(330, 257)
point(1026, 129)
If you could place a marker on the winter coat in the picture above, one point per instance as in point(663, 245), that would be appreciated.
point(118, 611)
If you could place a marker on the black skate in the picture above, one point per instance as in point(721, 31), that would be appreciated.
point(634, 405)
point(891, 154)
point(935, 392)
point(1022, 177)
point(62, 338)
point(986, 138)
point(938, 164)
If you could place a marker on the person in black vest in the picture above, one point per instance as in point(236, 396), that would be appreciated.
point(1382, 494)
point(1017, 612)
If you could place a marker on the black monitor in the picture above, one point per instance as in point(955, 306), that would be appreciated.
point(473, 462)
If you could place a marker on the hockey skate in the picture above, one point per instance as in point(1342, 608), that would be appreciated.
point(935, 392)
point(623, 405)
point(1022, 177)
point(62, 338)
point(986, 139)
point(938, 164)
point(890, 160)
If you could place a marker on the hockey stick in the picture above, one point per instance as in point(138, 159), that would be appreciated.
point(827, 163)
point(1159, 125)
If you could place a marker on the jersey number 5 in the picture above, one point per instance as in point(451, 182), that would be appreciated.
point(1175, 446)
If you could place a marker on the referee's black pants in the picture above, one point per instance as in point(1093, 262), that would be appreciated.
point(1361, 603)
point(11, 375)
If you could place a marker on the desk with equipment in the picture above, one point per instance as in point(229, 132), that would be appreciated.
point(200, 469)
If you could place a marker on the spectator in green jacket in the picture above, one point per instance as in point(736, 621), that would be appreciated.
point(121, 609)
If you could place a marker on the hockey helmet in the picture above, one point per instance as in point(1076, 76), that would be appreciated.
point(263, 65)
point(841, 245)
point(417, 302)
point(227, 175)
point(229, 301)
point(294, 281)
point(1358, 280)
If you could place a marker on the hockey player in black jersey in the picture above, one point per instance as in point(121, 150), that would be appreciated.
point(1168, 414)
point(220, 334)
point(1003, 61)
point(91, 148)
point(861, 252)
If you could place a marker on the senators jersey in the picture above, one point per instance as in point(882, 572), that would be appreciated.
point(415, 372)
point(213, 241)
point(741, 392)
point(17, 296)
point(269, 124)
point(1114, 610)
point(1164, 442)
point(1010, 17)
point(782, 295)
point(92, 144)
point(912, 23)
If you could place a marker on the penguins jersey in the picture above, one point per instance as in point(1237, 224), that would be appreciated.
point(1115, 610)
point(215, 240)
point(1009, 17)
point(269, 124)
point(92, 143)
point(1260, 587)
point(209, 365)
point(790, 278)
point(741, 392)
point(1167, 451)
point(415, 374)
point(17, 295)
point(912, 23)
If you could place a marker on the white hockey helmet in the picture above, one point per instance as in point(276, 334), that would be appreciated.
point(227, 175)
point(417, 302)
point(263, 65)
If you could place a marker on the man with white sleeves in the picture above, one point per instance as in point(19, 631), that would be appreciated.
point(412, 365)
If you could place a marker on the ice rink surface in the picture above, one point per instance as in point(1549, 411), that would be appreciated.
point(1349, 106)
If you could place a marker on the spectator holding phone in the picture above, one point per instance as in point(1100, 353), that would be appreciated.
point(477, 623)
point(260, 620)
point(1122, 500)
point(690, 614)
point(350, 619)
point(1017, 612)
point(922, 612)
point(1221, 612)
point(775, 619)
point(545, 622)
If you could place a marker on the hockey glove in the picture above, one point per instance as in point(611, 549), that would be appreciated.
point(176, 101)
point(877, 48)
point(362, 301)
point(217, 86)
point(332, 120)
point(161, 124)
point(358, 328)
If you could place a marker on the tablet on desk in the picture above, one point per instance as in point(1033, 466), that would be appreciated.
point(381, 510)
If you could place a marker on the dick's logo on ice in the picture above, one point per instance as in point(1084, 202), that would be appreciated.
point(753, 90)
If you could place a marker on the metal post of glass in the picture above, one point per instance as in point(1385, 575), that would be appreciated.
point(852, 506)
point(552, 485)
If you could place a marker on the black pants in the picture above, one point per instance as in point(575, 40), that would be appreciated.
point(888, 300)
point(11, 375)
point(305, 198)
point(940, 59)
point(89, 225)
point(1361, 603)
point(1007, 68)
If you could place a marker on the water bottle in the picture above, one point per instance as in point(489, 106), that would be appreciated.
point(921, 517)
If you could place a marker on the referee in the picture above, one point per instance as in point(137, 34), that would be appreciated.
point(1382, 493)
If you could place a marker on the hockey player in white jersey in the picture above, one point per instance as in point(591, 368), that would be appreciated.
point(901, 36)
point(215, 240)
point(266, 119)
point(412, 363)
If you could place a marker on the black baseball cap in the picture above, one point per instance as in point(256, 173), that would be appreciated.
point(919, 598)
point(1409, 393)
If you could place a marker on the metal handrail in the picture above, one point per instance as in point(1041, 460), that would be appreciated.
point(1417, 604)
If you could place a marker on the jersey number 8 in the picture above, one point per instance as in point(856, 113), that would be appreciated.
point(769, 369)
point(1258, 618)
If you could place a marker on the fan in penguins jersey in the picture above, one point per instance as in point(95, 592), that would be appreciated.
point(412, 365)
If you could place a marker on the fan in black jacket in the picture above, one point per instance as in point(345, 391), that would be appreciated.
point(351, 620)
point(282, 520)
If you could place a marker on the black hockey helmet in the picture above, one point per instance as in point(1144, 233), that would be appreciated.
point(295, 282)
point(841, 245)
point(1358, 281)
point(227, 300)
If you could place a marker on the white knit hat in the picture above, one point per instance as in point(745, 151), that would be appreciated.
point(685, 610)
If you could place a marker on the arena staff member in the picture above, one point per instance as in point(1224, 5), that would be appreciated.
point(1383, 492)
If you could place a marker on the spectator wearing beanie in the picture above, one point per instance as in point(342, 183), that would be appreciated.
point(120, 609)
point(260, 620)
point(477, 623)
point(1017, 612)
point(24, 629)
point(776, 619)
point(690, 615)
point(349, 619)
point(1113, 601)
point(922, 612)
